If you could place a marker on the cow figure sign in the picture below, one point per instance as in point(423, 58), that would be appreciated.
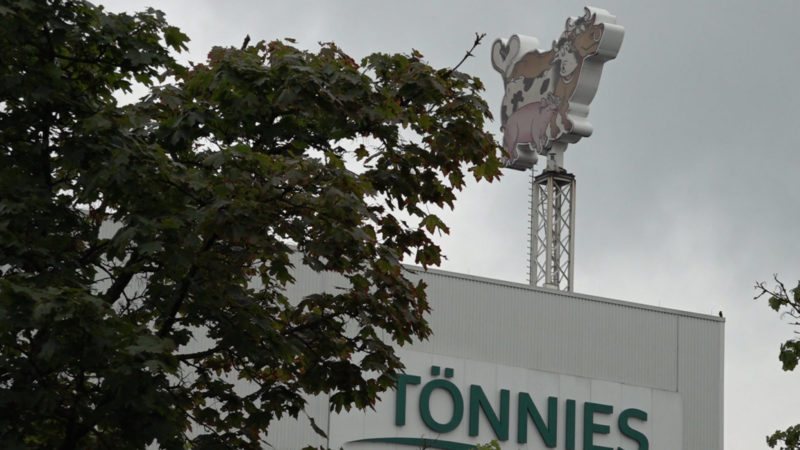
point(547, 93)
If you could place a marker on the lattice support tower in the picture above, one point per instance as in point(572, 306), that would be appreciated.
point(552, 230)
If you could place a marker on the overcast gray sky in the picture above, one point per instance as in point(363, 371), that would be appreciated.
point(687, 191)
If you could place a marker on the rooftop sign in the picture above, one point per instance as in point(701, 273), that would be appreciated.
point(448, 403)
point(547, 93)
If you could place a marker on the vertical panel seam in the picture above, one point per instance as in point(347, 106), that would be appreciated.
point(677, 354)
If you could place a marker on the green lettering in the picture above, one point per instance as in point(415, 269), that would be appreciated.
point(526, 408)
point(400, 404)
point(590, 428)
point(425, 406)
point(570, 426)
point(626, 430)
point(478, 400)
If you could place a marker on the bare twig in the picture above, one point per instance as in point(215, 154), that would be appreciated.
point(478, 38)
point(314, 425)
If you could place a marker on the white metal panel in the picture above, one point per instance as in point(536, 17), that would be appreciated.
point(669, 412)
point(700, 381)
point(548, 330)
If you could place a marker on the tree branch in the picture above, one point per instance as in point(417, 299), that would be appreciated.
point(183, 290)
point(115, 291)
point(195, 355)
point(478, 38)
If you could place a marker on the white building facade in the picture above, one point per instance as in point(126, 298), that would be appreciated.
point(535, 368)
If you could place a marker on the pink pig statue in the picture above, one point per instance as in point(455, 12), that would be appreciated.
point(528, 125)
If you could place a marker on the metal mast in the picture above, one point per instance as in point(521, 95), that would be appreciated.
point(552, 228)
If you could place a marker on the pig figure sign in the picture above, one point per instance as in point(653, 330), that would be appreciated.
point(547, 93)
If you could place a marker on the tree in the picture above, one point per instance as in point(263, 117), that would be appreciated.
point(787, 303)
point(209, 185)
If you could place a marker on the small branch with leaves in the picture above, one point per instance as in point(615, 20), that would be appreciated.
point(781, 298)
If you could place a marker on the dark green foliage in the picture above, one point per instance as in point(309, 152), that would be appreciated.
point(128, 232)
point(788, 438)
point(786, 302)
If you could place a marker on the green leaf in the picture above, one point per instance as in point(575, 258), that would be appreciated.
point(431, 222)
point(148, 248)
point(175, 38)
point(789, 355)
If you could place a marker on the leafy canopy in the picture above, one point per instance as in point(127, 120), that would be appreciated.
point(145, 248)
point(787, 303)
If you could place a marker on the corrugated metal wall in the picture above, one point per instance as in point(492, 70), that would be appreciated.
point(548, 330)
point(700, 381)
point(517, 325)
point(586, 336)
